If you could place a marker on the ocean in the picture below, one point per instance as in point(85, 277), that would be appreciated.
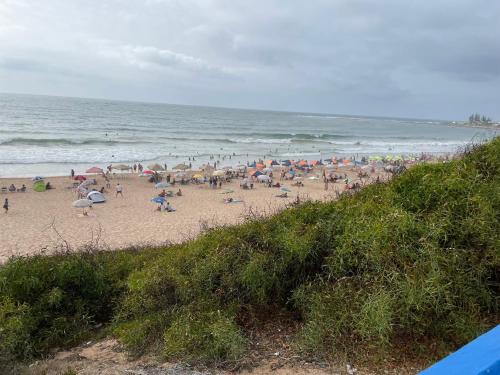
point(45, 135)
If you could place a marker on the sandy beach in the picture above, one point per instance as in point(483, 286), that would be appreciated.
point(41, 221)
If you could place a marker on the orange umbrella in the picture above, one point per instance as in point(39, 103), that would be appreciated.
point(260, 166)
point(314, 162)
point(302, 163)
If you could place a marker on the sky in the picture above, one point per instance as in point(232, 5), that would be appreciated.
point(435, 59)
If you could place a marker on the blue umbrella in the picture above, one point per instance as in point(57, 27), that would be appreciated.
point(286, 163)
point(158, 200)
point(257, 174)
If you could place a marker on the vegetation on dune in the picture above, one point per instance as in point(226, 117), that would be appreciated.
point(413, 261)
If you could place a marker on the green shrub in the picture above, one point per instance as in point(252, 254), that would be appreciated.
point(416, 259)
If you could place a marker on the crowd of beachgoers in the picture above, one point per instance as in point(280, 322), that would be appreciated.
point(125, 202)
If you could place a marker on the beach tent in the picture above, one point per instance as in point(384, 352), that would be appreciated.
point(286, 163)
point(79, 178)
point(94, 170)
point(479, 357)
point(156, 167)
point(39, 186)
point(96, 197)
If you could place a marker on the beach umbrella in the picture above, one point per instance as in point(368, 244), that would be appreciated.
point(257, 174)
point(80, 178)
point(121, 167)
point(181, 175)
point(162, 185)
point(148, 172)
point(197, 176)
point(156, 167)
point(286, 163)
point(218, 173)
point(94, 170)
point(259, 166)
point(267, 170)
point(85, 183)
point(82, 203)
point(263, 178)
point(274, 162)
point(37, 178)
point(96, 197)
point(206, 167)
point(158, 200)
point(302, 163)
point(181, 167)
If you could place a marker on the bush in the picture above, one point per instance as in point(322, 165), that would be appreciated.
point(416, 259)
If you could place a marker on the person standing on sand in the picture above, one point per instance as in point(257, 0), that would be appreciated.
point(72, 173)
point(6, 205)
point(119, 190)
point(326, 183)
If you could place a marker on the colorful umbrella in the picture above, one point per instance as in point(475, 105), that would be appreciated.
point(94, 170)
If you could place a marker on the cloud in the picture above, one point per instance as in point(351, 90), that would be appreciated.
point(425, 58)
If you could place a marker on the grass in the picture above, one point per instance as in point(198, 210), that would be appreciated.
point(413, 261)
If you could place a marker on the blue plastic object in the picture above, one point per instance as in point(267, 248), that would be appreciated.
point(479, 357)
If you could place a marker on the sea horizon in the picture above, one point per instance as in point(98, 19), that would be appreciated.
point(49, 135)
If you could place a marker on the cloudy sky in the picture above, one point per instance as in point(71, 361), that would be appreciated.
point(420, 58)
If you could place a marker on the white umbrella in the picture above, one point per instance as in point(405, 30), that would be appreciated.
point(219, 173)
point(161, 185)
point(86, 183)
point(267, 170)
point(82, 203)
point(263, 178)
